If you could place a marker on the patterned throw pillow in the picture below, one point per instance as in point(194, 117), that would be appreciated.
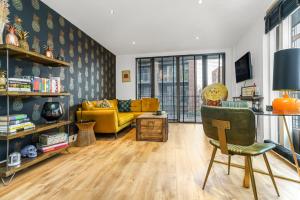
point(103, 104)
point(124, 105)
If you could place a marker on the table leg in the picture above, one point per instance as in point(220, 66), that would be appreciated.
point(291, 145)
point(246, 181)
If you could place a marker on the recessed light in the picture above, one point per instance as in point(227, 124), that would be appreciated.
point(112, 11)
point(197, 38)
point(133, 42)
point(200, 1)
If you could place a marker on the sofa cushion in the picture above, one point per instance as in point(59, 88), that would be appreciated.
point(124, 105)
point(87, 105)
point(150, 104)
point(124, 118)
point(136, 105)
point(103, 104)
point(114, 103)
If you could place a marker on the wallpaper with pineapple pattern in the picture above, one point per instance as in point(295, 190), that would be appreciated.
point(92, 72)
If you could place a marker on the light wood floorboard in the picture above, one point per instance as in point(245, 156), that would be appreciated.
point(127, 169)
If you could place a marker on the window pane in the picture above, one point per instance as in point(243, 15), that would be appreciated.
point(145, 78)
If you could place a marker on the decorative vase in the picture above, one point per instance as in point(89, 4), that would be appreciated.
point(49, 52)
point(24, 44)
point(11, 37)
point(52, 112)
point(2, 81)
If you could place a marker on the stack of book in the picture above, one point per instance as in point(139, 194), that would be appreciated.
point(15, 123)
point(54, 147)
point(51, 85)
point(52, 141)
point(19, 85)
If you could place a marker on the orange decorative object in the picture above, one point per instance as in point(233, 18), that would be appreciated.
point(286, 104)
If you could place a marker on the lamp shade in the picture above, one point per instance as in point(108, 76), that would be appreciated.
point(286, 74)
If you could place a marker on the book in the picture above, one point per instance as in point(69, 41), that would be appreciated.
point(19, 80)
point(53, 147)
point(18, 127)
point(13, 117)
point(14, 122)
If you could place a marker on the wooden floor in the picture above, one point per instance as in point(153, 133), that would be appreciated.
point(127, 169)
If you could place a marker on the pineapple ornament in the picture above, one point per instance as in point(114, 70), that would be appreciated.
point(23, 35)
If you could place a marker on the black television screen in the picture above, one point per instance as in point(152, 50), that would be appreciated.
point(243, 68)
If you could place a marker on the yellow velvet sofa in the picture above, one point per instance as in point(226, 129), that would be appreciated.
point(110, 120)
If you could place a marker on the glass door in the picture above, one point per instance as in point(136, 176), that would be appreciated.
point(178, 81)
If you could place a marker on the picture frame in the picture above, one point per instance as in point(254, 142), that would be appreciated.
point(248, 91)
point(126, 76)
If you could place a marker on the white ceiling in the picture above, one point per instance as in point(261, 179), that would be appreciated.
point(162, 25)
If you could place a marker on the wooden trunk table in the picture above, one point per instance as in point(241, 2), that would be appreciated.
point(151, 127)
point(86, 134)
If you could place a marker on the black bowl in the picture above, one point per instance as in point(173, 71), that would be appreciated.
point(52, 111)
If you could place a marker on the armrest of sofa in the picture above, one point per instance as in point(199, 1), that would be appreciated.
point(106, 119)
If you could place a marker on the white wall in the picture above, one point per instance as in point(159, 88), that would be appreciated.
point(252, 41)
point(127, 62)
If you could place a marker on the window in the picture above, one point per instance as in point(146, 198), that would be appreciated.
point(177, 81)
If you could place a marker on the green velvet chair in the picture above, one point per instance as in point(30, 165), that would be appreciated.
point(232, 130)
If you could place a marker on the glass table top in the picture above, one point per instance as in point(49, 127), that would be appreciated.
point(273, 113)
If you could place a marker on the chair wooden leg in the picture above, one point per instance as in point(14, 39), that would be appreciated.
point(271, 173)
point(209, 167)
point(229, 162)
point(252, 177)
point(116, 135)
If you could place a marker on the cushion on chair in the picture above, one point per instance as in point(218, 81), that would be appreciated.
point(136, 105)
point(252, 150)
point(125, 118)
point(124, 105)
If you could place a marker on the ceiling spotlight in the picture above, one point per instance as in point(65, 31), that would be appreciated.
point(197, 38)
point(200, 1)
point(133, 42)
point(112, 11)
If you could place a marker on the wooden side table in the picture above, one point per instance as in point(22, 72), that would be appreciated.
point(86, 134)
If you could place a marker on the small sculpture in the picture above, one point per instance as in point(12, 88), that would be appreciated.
point(29, 151)
point(48, 51)
point(11, 37)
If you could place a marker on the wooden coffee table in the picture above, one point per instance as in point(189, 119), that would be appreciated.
point(151, 127)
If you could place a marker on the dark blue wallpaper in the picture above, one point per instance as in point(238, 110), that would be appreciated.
point(92, 72)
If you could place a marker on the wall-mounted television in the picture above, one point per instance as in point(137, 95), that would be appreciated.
point(243, 68)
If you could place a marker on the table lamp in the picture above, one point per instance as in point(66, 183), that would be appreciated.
point(286, 77)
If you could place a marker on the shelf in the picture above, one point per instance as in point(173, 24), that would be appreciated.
point(254, 98)
point(37, 129)
point(20, 53)
point(27, 162)
point(27, 94)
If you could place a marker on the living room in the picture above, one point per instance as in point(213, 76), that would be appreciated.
point(161, 99)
